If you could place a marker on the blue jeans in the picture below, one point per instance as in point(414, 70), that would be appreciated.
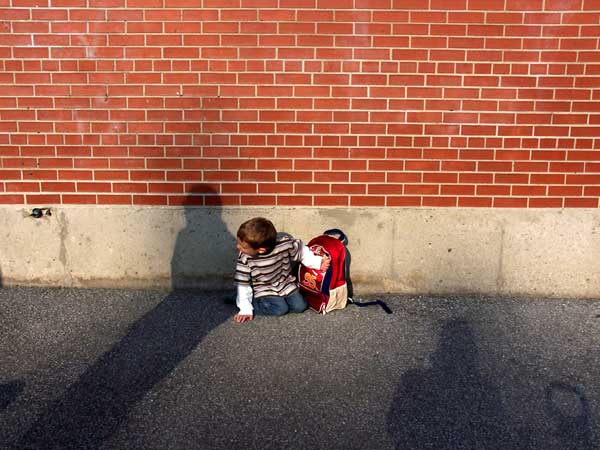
point(278, 306)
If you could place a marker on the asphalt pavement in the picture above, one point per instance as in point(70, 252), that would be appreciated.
point(134, 369)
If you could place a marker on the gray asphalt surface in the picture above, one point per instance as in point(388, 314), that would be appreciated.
point(123, 369)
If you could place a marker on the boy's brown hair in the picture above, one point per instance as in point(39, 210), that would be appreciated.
point(258, 233)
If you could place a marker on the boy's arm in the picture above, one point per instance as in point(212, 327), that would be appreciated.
point(244, 303)
point(243, 280)
point(312, 261)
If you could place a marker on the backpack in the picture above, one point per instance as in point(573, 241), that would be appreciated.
point(326, 291)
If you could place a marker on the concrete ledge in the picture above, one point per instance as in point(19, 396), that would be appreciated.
point(545, 252)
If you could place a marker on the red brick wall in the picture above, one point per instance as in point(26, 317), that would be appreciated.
point(455, 103)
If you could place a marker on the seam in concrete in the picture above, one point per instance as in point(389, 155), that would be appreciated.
point(63, 256)
point(392, 269)
point(500, 281)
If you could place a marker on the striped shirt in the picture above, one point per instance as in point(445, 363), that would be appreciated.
point(270, 273)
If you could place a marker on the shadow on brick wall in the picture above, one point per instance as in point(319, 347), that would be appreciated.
point(92, 409)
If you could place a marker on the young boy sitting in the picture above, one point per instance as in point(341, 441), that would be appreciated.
point(265, 283)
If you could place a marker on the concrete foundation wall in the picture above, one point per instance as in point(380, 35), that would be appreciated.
point(546, 252)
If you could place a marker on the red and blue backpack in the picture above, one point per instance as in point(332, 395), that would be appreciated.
point(326, 291)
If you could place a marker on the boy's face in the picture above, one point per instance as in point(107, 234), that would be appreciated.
point(245, 248)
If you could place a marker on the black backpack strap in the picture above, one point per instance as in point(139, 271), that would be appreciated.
point(381, 303)
point(338, 234)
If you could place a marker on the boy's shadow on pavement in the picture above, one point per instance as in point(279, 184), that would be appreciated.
point(99, 402)
point(451, 406)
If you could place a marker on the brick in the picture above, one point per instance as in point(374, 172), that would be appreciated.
point(311, 188)
point(275, 188)
point(331, 200)
point(439, 201)
point(58, 186)
point(10, 174)
point(114, 199)
point(40, 175)
point(9, 163)
point(511, 178)
point(385, 189)
point(346, 188)
point(583, 179)
point(457, 190)
point(75, 175)
point(239, 188)
point(332, 177)
point(509, 202)
point(111, 175)
point(184, 175)
point(563, 5)
point(581, 203)
point(9, 199)
point(403, 201)
point(294, 200)
point(367, 177)
point(221, 200)
point(93, 187)
point(366, 201)
point(475, 202)
point(545, 203)
point(592, 167)
point(421, 189)
point(46, 199)
point(152, 200)
point(443, 177)
point(591, 191)
point(529, 191)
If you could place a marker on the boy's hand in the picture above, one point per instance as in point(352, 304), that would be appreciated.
point(325, 263)
point(241, 318)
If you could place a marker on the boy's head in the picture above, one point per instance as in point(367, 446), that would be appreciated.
point(256, 236)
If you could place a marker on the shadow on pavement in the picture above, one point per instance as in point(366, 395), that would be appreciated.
point(569, 412)
point(94, 407)
point(9, 392)
point(451, 406)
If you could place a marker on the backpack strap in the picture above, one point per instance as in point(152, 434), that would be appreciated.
point(381, 303)
point(338, 234)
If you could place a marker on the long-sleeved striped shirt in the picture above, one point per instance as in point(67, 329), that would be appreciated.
point(271, 274)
